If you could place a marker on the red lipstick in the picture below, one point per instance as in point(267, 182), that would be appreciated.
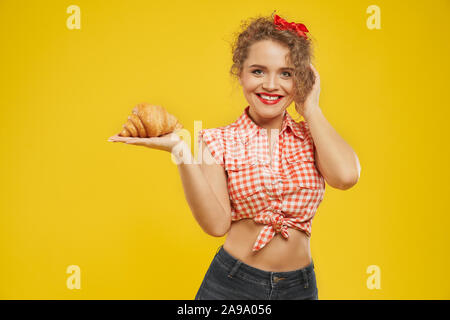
point(269, 94)
point(269, 102)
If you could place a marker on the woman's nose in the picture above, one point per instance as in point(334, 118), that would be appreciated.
point(270, 83)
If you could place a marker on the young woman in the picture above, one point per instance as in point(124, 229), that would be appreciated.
point(261, 178)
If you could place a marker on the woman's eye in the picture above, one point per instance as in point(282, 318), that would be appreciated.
point(286, 72)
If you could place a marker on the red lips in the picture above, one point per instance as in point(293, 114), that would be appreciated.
point(270, 102)
point(269, 94)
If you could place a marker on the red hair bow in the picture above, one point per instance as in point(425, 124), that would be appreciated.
point(282, 24)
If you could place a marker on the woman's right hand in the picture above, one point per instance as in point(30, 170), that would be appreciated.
point(165, 142)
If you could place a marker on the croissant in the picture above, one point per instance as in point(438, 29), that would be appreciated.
point(149, 121)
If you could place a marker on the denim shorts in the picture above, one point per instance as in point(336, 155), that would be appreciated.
point(228, 278)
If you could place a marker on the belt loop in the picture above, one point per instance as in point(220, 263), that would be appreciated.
point(234, 269)
point(305, 278)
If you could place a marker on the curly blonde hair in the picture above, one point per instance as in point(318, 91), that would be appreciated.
point(262, 28)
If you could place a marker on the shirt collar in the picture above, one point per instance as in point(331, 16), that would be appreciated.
point(247, 128)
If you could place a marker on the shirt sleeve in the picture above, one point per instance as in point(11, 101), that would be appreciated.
point(214, 140)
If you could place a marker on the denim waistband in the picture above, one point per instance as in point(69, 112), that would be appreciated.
point(239, 268)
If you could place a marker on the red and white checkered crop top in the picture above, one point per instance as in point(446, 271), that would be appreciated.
point(283, 195)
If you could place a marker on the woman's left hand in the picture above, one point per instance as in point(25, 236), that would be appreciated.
point(312, 101)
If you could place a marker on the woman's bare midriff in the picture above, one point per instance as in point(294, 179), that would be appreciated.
point(278, 255)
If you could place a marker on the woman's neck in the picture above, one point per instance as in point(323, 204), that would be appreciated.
point(273, 123)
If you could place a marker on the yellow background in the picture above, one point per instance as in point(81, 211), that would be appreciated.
point(69, 197)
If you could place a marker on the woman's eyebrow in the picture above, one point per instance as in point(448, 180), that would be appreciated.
point(264, 67)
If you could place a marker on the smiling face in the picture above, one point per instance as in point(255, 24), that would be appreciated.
point(266, 70)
